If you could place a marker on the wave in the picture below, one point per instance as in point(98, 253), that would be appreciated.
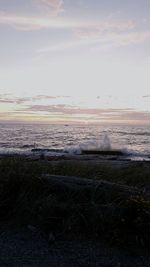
point(132, 141)
point(47, 150)
point(134, 133)
point(28, 146)
point(102, 146)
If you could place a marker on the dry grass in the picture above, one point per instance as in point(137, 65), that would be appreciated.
point(27, 198)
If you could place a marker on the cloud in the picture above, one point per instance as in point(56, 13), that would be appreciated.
point(113, 33)
point(146, 96)
point(55, 7)
point(104, 26)
point(21, 22)
point(107, 39)
point(8, 99)
point(72, 110)
point(108, 30)
point(71, 113)
point(135, 116)
point(30, 23)
point(5, 115)
point(93, 113)
point(124, 39)
point(119, 32)
point(60, 109)
point(87, 32)
point(82, 28)
point(40, 97)
point(13, 100)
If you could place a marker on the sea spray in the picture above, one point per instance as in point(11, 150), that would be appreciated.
point(106, 143)
point(98, 145)
point(103, 144)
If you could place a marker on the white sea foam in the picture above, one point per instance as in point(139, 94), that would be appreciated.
point(103, 144)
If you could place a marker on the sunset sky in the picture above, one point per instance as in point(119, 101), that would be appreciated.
point(67, 61)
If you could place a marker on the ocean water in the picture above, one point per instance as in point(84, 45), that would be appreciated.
point(22, 138)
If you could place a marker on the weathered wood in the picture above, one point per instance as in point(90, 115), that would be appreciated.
point(102, 190)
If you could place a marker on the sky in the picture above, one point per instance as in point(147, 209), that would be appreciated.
point(83, 61)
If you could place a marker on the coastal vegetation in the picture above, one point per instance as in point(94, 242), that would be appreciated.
point(105, 201)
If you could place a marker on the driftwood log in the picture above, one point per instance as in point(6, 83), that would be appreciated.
point(102, 191)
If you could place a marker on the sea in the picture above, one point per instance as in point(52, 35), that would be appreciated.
point(134, 141)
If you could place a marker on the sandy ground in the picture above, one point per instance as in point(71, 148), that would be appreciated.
point(22, 247)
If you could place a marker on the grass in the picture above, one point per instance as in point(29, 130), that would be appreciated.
point(137, 174)
point(27, 198)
